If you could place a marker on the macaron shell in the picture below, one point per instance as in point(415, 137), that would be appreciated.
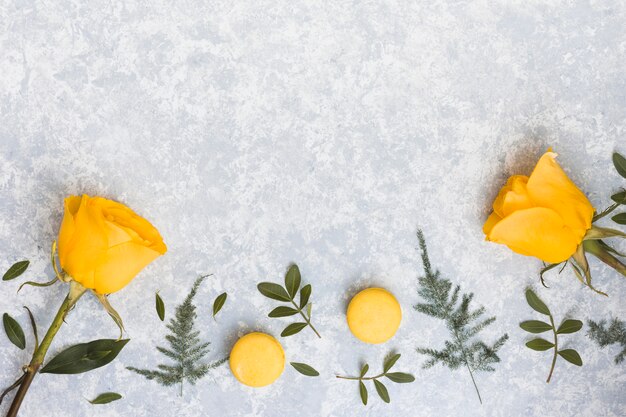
point(257, 359)
point(374, 315)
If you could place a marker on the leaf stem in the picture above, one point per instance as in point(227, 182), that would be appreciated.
point(356, 378)
point(76, 291)
point(556, 349)
point(307, 319)
point(458, 339)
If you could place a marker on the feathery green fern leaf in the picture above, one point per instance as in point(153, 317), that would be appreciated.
point(185, 348)
point(442, 301)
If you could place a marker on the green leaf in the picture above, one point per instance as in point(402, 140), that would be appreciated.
point(283, 311)
point(305, 294)
point(219, 303)
point(292, 329)
point(105, 398)
point(273, 291)
point(382, 391)
point(14, 331)
point(400, 377)
point(390, 361)
point(569, 326)
point(363, 392)
point(620, 164)
point(535, 326)
point(308, 310)
point(160, 306)
point(535, 303)
point(292, 280)
point(304, 369)
point(619, 218)
point(16, 270)
point(571, 356)
point(85, 357)
point(620, 197)
point(34, 326)
point(364, 370)
point(539, 344)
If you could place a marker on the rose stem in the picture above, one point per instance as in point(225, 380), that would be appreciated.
point(76, 291)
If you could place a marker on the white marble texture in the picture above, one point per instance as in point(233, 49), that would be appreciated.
point(258, 133)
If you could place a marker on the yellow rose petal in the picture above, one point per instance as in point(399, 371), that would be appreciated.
point(538, 232)
point(549, 186)
point(257, 359)
point(374, 315)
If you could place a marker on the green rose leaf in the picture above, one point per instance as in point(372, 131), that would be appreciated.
point(569, 326)
point(160, 306)
point(16, 270)
point(400, 377)
point(292, 280)
point(292, 329)
point(14, 331)
point(619, 218)
point(105, 398)
point(382, 391)
point(305, 293)
point(364, 370)
point(535, 326)
point(539, 344)
point(219, 303)
point(85, 357)
point(620, 164)
point(304, 369)
point(571, 356)
point(390, 361)
point(535, 303)
point(273, 291)
point(363, 392)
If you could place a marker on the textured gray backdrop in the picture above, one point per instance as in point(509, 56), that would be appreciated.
point(258, 133)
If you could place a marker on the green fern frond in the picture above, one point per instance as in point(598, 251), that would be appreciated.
point(185, 348)
point(440, 300)
point(604, 336)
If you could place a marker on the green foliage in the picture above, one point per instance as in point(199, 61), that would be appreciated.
point(444, 302)
point(105, 398)
point(381, 389)
point(287, 294)
point(186, 349)
point(604, 336)
point(537, 326)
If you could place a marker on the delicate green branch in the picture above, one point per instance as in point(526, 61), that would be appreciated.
point(556, 348)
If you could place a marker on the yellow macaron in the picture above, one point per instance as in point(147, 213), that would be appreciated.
point(374, 315)
point(257, 359)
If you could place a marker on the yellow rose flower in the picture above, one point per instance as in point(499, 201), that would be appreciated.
point(104, 244)
point(544, 215)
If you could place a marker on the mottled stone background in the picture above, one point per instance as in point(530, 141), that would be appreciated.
point(258, 133)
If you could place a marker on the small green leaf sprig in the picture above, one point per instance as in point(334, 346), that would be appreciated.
point(381, 389)
point(538, 326)
point(287, 294)
point(614, 333)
